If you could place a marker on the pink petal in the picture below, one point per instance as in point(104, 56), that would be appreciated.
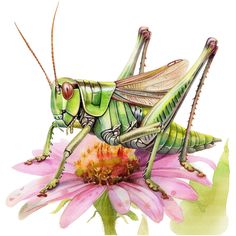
point(143, 156)
point(178, 173)
point(176, 188)
point(145, 200)
point(86, 143)
point(35, 186)
point(119, 199)
point(85, 197)
point(202, 159)
point(66, 191)
point(169, 160)
point(173, 210)
point(47, 167)
point(172, 161)
point(50, 165)
point(174, 173)
point(58, 149)
point(27, 190)
point(173, 187)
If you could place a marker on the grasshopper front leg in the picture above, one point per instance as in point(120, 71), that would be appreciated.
point(67, 152)
point(46, 149)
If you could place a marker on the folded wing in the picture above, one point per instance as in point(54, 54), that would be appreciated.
point(148, 88)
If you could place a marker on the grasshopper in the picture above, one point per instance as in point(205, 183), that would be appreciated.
point(136, 111)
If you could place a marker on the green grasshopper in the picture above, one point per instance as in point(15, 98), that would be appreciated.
point(136, 111)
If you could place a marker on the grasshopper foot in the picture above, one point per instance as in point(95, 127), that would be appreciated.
point(187, 166)
point(155, 187)
point(51, 185)
point(36, 159)
point(145, 33)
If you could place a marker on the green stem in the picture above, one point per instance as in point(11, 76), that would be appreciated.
point(107, 213)
point(109, 226)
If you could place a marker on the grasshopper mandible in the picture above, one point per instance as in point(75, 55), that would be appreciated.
point(136, 111)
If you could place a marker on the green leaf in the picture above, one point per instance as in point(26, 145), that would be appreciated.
point(207, 215)
point(132, 215)
point(107, 213)
point(143, 227)
point(60, 205)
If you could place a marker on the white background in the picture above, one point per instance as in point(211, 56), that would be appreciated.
point(93, 40)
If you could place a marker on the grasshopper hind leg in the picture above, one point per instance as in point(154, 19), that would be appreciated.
point(183, 154)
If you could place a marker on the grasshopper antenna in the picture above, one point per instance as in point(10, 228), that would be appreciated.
point(27, 44)
point(52, 50)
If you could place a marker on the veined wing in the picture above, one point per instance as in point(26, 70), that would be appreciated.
point(148, 88)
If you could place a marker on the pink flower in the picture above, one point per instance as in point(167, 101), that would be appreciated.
point(95, 167)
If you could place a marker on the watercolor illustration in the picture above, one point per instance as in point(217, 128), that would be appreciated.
point(128, 153)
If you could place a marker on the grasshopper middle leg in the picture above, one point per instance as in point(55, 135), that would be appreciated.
point(140, 132)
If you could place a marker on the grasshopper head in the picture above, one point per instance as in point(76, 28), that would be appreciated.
point(65, 101)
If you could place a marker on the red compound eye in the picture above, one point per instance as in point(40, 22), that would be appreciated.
point(67, 90)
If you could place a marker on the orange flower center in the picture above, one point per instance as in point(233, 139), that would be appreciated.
point(105, 164)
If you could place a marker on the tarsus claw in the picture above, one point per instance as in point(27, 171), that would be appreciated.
point(51, 185)
point(156, 188)
point(37, 159)
point(187, 166)
point(42, 194)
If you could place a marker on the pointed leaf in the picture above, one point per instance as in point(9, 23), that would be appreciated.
point(207, 215)
point(143, 227)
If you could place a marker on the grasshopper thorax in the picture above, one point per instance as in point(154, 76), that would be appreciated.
point(65, 101)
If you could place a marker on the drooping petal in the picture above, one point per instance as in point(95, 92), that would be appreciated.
point(85, 197)
point(145, 199)
point(173, 187)
point(26, 191)
point(176, 188)
point(119, 199)
point(32, 188)
point(173, 210)
point(174, 173)
point(65, 191)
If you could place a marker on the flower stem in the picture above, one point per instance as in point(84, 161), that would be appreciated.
point(107, 213)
